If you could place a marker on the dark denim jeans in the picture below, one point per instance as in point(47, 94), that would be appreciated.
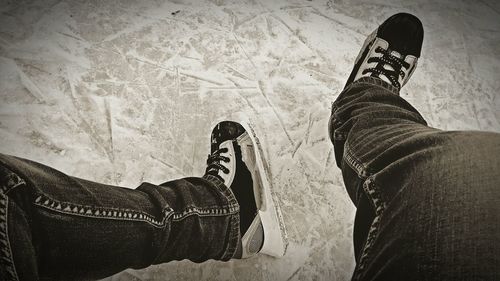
point(428, 201)
point(428, 205)
point(53, 226)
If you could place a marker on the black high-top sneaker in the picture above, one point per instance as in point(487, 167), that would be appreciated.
point(391, 51)
point(235, 159)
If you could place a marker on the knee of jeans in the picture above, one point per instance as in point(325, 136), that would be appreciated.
point(458, 179)
point(454, 171)
point(453, 221)
point(470, 157)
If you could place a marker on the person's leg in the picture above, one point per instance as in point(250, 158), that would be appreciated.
point(57, 227)
point(60, 227)
point(427, 200)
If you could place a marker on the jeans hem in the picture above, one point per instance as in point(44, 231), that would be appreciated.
point(375, 82)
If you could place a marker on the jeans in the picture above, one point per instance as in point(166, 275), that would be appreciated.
point(428, 201)
point(428, 205)
point(57, 227)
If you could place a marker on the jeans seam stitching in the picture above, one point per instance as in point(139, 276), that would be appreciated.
point(21, 182)
point(339, 135)
point(234, 220)
point(233, 235)
point(10, 180)
point(126, 214)
point(10, 267)
point(205, 212)
point(372, 191)
point(353, 162)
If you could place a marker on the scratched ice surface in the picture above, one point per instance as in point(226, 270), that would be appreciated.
point(127, 91)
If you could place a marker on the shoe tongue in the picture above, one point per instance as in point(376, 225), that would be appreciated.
point(214, 144)
point(390, 68)
point(394, 54)
point(226, 130)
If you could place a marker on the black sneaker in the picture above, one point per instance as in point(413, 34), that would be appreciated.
point(391, 52)
point(235, 161)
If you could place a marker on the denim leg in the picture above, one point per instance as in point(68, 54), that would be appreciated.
point(428, 201)
point(59, 227)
